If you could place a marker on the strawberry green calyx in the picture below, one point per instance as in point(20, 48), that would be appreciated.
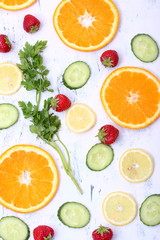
point(102, 134)
point(49, 237)
point(102, 230)
point(34, 28)
point(54, 103)
point(107, 62)
point(7, 41)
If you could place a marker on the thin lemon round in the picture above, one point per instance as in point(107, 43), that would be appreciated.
point(29, 178)
point(10, 78)
point(119, 208)
point(14, 5)
point(131, 97)
point(86, 25)
point(80, 118)
point(136, 165)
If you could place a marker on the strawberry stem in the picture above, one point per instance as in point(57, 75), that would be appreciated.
point(48, 238)
point(102, 230)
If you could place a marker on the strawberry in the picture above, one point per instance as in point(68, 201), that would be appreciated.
point(109, 58)
point(31, 24)
point(102, 233)
point(43, 232)
point(5, 45)
point(60, 103)
point(108, 134)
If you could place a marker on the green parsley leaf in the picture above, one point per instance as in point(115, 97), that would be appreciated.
point(45, 124)
point(34, 71)
point(29, 110)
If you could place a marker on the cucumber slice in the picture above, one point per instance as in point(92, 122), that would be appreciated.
point(13, 228)
point(144, 47)
point(74, 215)
point(150, 210)
point(99, 157)
point(76, 75)
point(8, 115)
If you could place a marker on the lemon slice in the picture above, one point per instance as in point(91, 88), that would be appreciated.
point(119, 208)
point(10, 78)
point(80, 118)
point(135, 165)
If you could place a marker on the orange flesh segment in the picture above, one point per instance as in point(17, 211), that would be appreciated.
point(86, 19)
point(28, 178)
point(132, 97)
point(14, 5)
point(86, 33)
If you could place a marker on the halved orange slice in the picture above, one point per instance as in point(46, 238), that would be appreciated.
point(29, 178)
point(131, 97)
point(14, 5)
point(86, 25)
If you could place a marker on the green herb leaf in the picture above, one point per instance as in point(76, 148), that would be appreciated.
point(34, 71)
point(29, 110)
point(44, 123)
point(48, 124)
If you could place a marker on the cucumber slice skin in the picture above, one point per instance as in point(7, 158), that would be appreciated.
point(70, 206)
point(69, 71)
point(12, 227)
point(99, 146)
point(144, 207)
point(11, 111)
point(145, 37)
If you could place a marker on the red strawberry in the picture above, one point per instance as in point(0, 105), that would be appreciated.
point(31, 24)
point(5, 45)
point(109, 58)
point(102, 233)
point(43, 232)
point(60, 103)
point(108, 134)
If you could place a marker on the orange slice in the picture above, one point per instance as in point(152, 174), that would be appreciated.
point(119, 208)
point(86, 25)
point(131, 97)
point(14, 5)
point(29, 178)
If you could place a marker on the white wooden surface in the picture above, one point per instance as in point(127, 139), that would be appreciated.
point(137, 16)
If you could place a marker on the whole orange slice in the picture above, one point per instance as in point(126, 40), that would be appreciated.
point(131, 97)
point(86, 25)
point(14, 5)
point(29, 178)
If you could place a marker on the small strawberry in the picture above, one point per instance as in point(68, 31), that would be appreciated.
point(102, 233)
point(5, 45)
point(108, 134)
point(60, 103)
point(43, 232)
point(109, 58)
point(31, 24)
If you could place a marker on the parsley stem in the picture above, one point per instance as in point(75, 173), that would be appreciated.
point(66, 165)
point(66, 149)
point(44, 123)
point(38, 98)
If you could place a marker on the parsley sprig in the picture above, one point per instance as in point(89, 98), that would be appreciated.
point(44, 123)
point(33, 69)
